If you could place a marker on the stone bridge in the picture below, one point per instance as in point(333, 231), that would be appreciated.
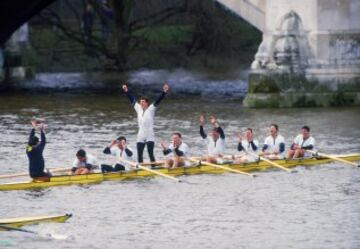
point(310, 53)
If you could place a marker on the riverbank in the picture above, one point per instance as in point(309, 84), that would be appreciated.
point(223, 43)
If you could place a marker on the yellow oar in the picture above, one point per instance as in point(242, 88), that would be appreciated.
point(333, 158)
point(270, 162)
point(14, 175)
point(220, 167)
point(147, 169)
point(52, 170)
point(153, 163)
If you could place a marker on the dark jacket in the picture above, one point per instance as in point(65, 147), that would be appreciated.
point(35, 155)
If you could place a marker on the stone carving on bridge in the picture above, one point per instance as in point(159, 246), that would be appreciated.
point(287, 50)
point(345, 51)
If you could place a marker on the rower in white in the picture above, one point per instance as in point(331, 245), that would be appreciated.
point(177, 151)
point(302, 142)
point(84, 163)
point(119, 149)
point(145, 115)
point(215, 140)
point(247, 146)
point(274, 145)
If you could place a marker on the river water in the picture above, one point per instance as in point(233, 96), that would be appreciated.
point(317, 207)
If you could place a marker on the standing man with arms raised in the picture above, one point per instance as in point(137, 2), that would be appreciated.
point(145, 115)
point(34, 151)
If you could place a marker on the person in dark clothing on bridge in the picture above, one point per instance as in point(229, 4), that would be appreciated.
point(34, 152)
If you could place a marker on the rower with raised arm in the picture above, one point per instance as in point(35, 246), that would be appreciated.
point(84, 163)
point(215, 140)
point(274, 145)
point(247, 146)
point(302, 142)
point(145, 115)
point(34, 152)
point(119, 149)
point(177, 151)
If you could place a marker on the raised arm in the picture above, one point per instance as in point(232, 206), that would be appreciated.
point(202, 132)
point(253, 145)
point(129, 95)
point(239, 147)
point(32, 134)
point(166, 89)
point(43, 139)
point(166, 151)
point(202, 122)
point(221, 131)
point(216, 125)
point(107, 149)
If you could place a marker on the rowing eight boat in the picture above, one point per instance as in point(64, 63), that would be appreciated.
point(19, 222)
point(139, 173)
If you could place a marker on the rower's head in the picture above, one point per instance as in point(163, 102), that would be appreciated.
point(81, 155)
point(177, 138)
point(144, 103)
point(215, 134)
point(274, 129)
point(305, 131)
point(121, 142)
point(33, 141)
point(248, 134)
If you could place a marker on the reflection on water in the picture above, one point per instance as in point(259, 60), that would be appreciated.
point(315, 208)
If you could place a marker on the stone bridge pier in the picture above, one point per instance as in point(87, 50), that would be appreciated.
point(310, 53)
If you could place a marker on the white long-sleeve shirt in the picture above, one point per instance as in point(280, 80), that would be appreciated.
point(272, 145)
point(308, 143)
point(119, 153)
point(146, 123)
point(90, 159)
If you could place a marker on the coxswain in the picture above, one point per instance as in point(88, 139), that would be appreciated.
point(34, 151)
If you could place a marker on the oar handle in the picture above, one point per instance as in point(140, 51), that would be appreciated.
point(316, 153)
point(14, 175)
point(136, 165)
point(221, 167)
point(269, 161)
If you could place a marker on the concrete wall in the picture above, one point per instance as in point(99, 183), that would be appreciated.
point(330, 34)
